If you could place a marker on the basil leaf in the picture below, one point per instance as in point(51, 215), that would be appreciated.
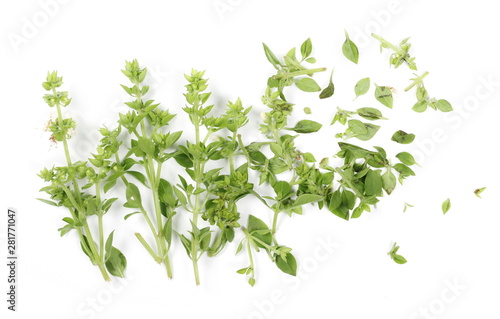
point(370, 113)
point(306, 49)
point(350, 50)
point(383, 94)
point(402, 137)
point(362, 87)
point(406, 158)
point(446, 206)
point(308, 85)
point(306, 126)
point(288, 265)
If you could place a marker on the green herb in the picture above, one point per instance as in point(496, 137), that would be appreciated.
point(383, 94)
point(400, 54)
point(446, 206)
point(394, 256)
point(350, 50)
point(362, 87)
point(70, 185)
point(402, 137)
point(478, 191)
point(329, 90)
point(164, 179)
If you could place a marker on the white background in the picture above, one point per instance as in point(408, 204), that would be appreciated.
point(344, 270)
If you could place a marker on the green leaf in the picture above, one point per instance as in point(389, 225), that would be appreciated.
point(306, 199)
point(370, 113)
point(282, 189)
point(259, 230)
point(348, 199)
point(398, 259)
point(388, 182)
point(350, 50)
point(46, 201)
point(146, 145)
point(308, 85)
point(373, 183)
point(420, 106)
point(133, 196)
point(404, 170)
point(128, 215)
point(306, 49)
point(402, 137)
point(109, 245)
point(362, 87)
point(306, 126)
point(444, 106)
point(277, 165)
point(335, 200)
point(357, 127)
point(288, 265)
point(383, 94)
point(139, 176)
point(270, 56)
point(180, 196)
point(446, 206)
point(406, 158)
point(329, 90)
point(372, 130)
point(251, 281)
point(116, 263)
point(478, 191)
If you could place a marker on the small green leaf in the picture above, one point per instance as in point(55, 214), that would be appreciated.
point(399, 259)
point(373, 183)
point(370, 113)
point(478, 191)
point(444, 106)
point(270, 56)
point(350, 50)
point(308, 85)
point(251, 281)
point(46, 201)
point(288, 265)
point(116, 263)
point(109, 245)
point(329, 90)
point(146, 145)
point(133, 196)
point(306, 126)
point(259, 230)
point(282, 189)
point(362, 87)
point(406, 158)
point(402, 137)
point(306, 49)
point(388, 182)
point(446, 206)
point(420, 106)
point(357, 127)
point(383, 94)
point(306, 199)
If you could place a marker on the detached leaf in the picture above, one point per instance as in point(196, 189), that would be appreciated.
point(329, 90)
point(370, 113)
point(446, 206)
point(350, 50)
point(362, 87)
point(478, 191)
point(307, 126)
point(383, 94)
point(308, 85)
point(402, 137)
